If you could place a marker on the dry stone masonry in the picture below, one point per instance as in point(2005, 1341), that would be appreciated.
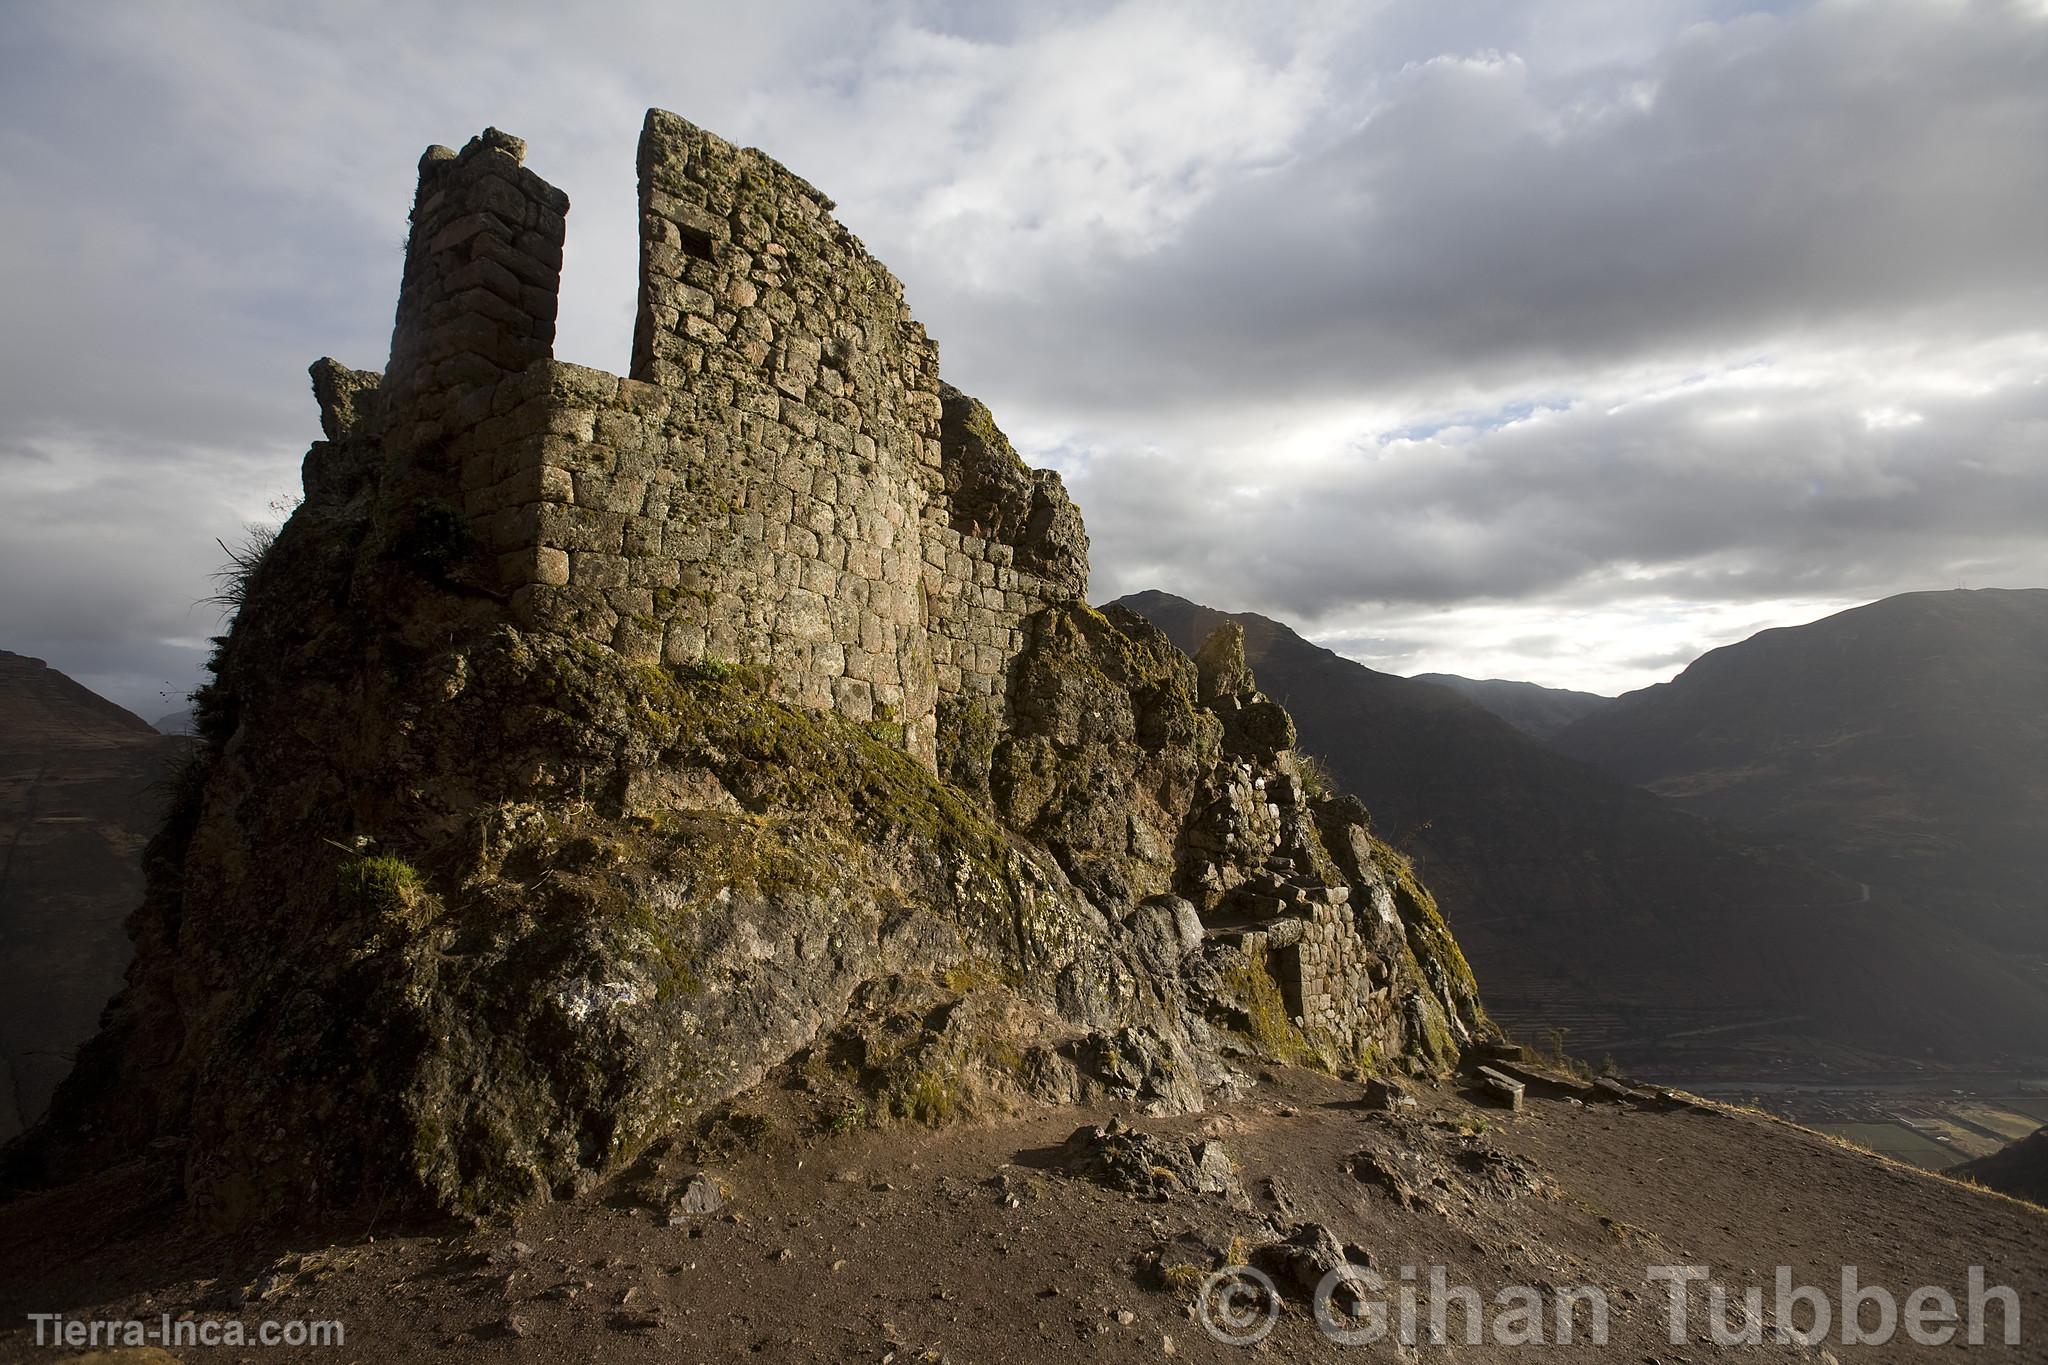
point(483, 269)
point(783, 480)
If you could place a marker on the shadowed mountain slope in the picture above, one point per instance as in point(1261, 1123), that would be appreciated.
point(1582, 901)
point(1529, 707)
point(1904, 742)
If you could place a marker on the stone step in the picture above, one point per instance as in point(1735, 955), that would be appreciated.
point(1504, 1088)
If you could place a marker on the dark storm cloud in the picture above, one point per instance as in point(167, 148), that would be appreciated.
point(1490, 222)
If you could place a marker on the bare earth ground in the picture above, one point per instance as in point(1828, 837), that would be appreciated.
point(967, 1245)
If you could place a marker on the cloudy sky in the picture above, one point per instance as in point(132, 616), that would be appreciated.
point(1547, 340)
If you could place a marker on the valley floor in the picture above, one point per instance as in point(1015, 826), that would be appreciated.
point(970, 1244)
point(1926, 1111)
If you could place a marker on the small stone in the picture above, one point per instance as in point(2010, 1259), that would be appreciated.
point(511, 1325)
point(1125, 1317)
point(699, 1197)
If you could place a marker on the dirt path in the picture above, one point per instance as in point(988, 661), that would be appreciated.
point(966, 1245)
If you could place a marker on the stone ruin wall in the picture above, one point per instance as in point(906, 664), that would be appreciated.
point(483, 271)
point(779, 482)
point(782, 481)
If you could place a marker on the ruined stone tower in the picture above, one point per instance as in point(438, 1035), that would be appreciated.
point(782, 481)
point(589, 750)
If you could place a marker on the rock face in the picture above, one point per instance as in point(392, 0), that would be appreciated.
point(82, 785)
point(588, 747)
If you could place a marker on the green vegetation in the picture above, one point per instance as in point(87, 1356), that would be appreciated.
point(754, 677)
point(1269, 1025)
point(816, 765)
point(973, 974)
point(926, 1098)
point(1429, 935)
point(383, 886)
point(667, 600)
point(1316, 782)
point(246, 558)
point(1183, 1279)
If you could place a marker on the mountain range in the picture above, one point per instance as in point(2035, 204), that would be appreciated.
point(1831, 831)
point(1529, 707)
point(1904, 743)
point(1589, 903)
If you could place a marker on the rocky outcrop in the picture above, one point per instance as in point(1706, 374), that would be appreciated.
point(589, 750)
point(1123, 1158)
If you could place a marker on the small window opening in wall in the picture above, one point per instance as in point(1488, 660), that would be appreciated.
point(695, 243)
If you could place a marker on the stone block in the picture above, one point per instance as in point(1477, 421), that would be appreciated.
point(638, 640)
point(565, 527)
point(593, 569)
point(1502, 1088)
point(459, 230)
point(852, 698)
point(550, 566)
point(683, 643)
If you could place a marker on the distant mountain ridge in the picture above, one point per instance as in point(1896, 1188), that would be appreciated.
point(1577, 896)
point(41, 700)
point(81, 791)
point(1904, 742)
point(1530, 707)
